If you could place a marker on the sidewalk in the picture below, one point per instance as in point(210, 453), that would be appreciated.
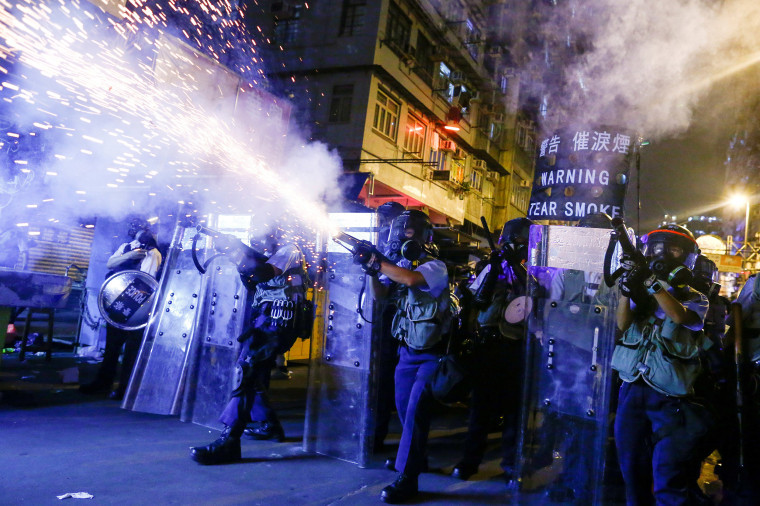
point(56, 440)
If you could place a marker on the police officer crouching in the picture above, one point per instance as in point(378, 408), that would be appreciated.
point(280, 286)
point(418, 286)
point(659, 428)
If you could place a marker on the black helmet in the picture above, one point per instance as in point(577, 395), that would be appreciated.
point(515, 231)
point(705, 275)
point(515, 234)
point(137, 224)
point(410, 232)
point(672, 251)
point(596, 220)
point(389, 210)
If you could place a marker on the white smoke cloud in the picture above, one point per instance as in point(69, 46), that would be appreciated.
point(133, 125)
point(649, 63)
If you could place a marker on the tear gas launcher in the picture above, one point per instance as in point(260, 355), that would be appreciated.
point(225, 244)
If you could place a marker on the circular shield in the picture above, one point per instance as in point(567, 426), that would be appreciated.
point(126, 298)
point(518, 309)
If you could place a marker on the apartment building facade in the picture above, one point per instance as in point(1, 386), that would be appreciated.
point(415, 95)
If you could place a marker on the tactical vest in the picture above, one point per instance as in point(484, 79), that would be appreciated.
point(421, 320)
point(283, 287)
point(493, 315)
point(662, 353)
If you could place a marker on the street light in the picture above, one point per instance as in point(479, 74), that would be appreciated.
point(738, 201)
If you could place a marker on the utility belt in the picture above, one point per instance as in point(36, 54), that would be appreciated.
point(280, 312)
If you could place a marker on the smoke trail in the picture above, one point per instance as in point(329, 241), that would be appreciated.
point(126, 117)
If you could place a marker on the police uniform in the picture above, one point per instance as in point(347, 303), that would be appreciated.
point(271, 333)
point(422, 318)
point(496, 375)
point(743, 487)
point(658, 428)
point(117, 338)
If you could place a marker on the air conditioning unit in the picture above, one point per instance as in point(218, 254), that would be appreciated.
point(440, 82)
point(492, 176)
point(459, 153)
point(447, 146)
point(479, 164)
point(457, 77)
point(440, 175)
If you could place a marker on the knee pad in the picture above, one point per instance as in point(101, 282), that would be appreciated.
point(238, 378)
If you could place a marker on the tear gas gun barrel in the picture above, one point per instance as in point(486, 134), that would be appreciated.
point(489, 235)
point(225, 244)
point(350, 242)
point(230, 242)
point(619, 235)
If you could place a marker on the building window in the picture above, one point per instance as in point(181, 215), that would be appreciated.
point(414, 136)
point(340, 105)
point(386, 116)
point(525, 138)
point(286, 30)
point(520, 193)
point(424, 57)
point(398, 30)
point(476, 180)
point(457, 170)
point(352, 18)
point(472, 39)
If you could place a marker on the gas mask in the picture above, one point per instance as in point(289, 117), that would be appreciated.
point(671, 252)
point(705, 277)
point(514, 235)
point(408, 237)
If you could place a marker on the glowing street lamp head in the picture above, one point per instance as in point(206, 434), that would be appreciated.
point(739, 200)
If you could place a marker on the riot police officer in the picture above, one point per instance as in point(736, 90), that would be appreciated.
point(279, 285)
point(140, 253)
point(388, 354)
point(418, 286)
point(659, 428)
point(498, 353)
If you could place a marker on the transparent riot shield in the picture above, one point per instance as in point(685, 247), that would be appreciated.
point(565, 423)
point(190, 348)
point(341, 388)
point(155, 385)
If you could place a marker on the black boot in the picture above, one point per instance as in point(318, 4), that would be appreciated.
point(464, 470)
point(224, 450)
point(403, 489)
point(266, 430)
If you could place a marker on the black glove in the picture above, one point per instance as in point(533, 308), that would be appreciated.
point(628, 262)
point(495, 259)
point(627, 284)
point(366, 255)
